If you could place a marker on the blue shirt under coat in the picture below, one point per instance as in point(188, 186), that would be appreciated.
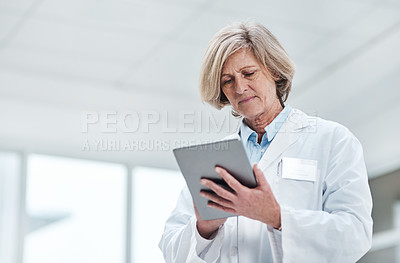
point(254, 150)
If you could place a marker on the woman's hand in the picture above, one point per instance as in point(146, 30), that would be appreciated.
point(207, 228)
point(257, 203)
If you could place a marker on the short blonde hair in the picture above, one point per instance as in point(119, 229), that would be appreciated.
point(261, 42)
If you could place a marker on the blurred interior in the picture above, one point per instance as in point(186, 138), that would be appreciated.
point(95, 94)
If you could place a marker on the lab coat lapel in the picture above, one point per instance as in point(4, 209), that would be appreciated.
point(288, 134)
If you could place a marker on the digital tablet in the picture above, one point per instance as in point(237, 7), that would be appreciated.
point(199, 161)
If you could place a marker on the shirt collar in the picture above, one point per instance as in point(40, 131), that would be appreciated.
point(271, 129)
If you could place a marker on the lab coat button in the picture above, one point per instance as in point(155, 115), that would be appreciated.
point(234, 251)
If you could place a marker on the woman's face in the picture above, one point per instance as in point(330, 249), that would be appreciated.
point(248, 85)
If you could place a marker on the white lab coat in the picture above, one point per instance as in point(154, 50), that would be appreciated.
point(328, 220)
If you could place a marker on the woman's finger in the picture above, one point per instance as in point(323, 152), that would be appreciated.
point(222, 208)
point(261, 181)
point(218, 189)
point(216, 199)
point(229, 179)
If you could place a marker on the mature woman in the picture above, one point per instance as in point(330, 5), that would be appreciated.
point(312, 202)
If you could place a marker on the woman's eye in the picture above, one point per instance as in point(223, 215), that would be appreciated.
point(227, 81)
point(249, 74)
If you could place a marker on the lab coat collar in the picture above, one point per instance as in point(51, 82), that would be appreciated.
point(288, 134)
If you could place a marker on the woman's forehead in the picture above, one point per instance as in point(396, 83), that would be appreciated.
point(239, 60)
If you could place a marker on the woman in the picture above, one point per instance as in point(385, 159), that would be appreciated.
point(312, 202)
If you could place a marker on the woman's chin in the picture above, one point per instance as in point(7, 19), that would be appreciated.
point(249, 114)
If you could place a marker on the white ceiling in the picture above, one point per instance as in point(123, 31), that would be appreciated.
point(60, 59)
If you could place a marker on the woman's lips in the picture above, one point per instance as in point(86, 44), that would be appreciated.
point(247, 99)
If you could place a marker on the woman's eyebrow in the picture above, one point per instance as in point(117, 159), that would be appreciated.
point(245, 67)
point(250, 66)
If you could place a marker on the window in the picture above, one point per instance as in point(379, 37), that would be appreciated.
point(155, 192)
point(396, 208)
point(10, 187)
point(76, 211)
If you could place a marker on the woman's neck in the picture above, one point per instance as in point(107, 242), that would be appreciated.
point(262, 120)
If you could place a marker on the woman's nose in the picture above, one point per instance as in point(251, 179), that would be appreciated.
point(241, 85)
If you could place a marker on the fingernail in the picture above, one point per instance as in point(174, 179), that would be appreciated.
point(217, 169)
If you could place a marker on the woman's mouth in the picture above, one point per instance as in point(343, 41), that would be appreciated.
point(247, 99)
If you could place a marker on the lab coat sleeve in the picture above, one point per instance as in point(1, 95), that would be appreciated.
point(342, 231)
point(181, 241)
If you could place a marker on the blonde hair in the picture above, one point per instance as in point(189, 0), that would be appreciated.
point(261, 42)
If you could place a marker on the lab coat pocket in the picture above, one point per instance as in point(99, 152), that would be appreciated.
point(298, 194)
point(298, 183)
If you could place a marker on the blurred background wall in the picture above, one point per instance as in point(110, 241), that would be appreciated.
point(95, 94)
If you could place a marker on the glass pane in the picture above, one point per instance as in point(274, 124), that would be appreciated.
point(155, 192)
point(396, 208)
point(10, 167)
point(76, 209)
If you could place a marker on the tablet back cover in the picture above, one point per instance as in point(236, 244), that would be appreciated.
point(199, 161)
